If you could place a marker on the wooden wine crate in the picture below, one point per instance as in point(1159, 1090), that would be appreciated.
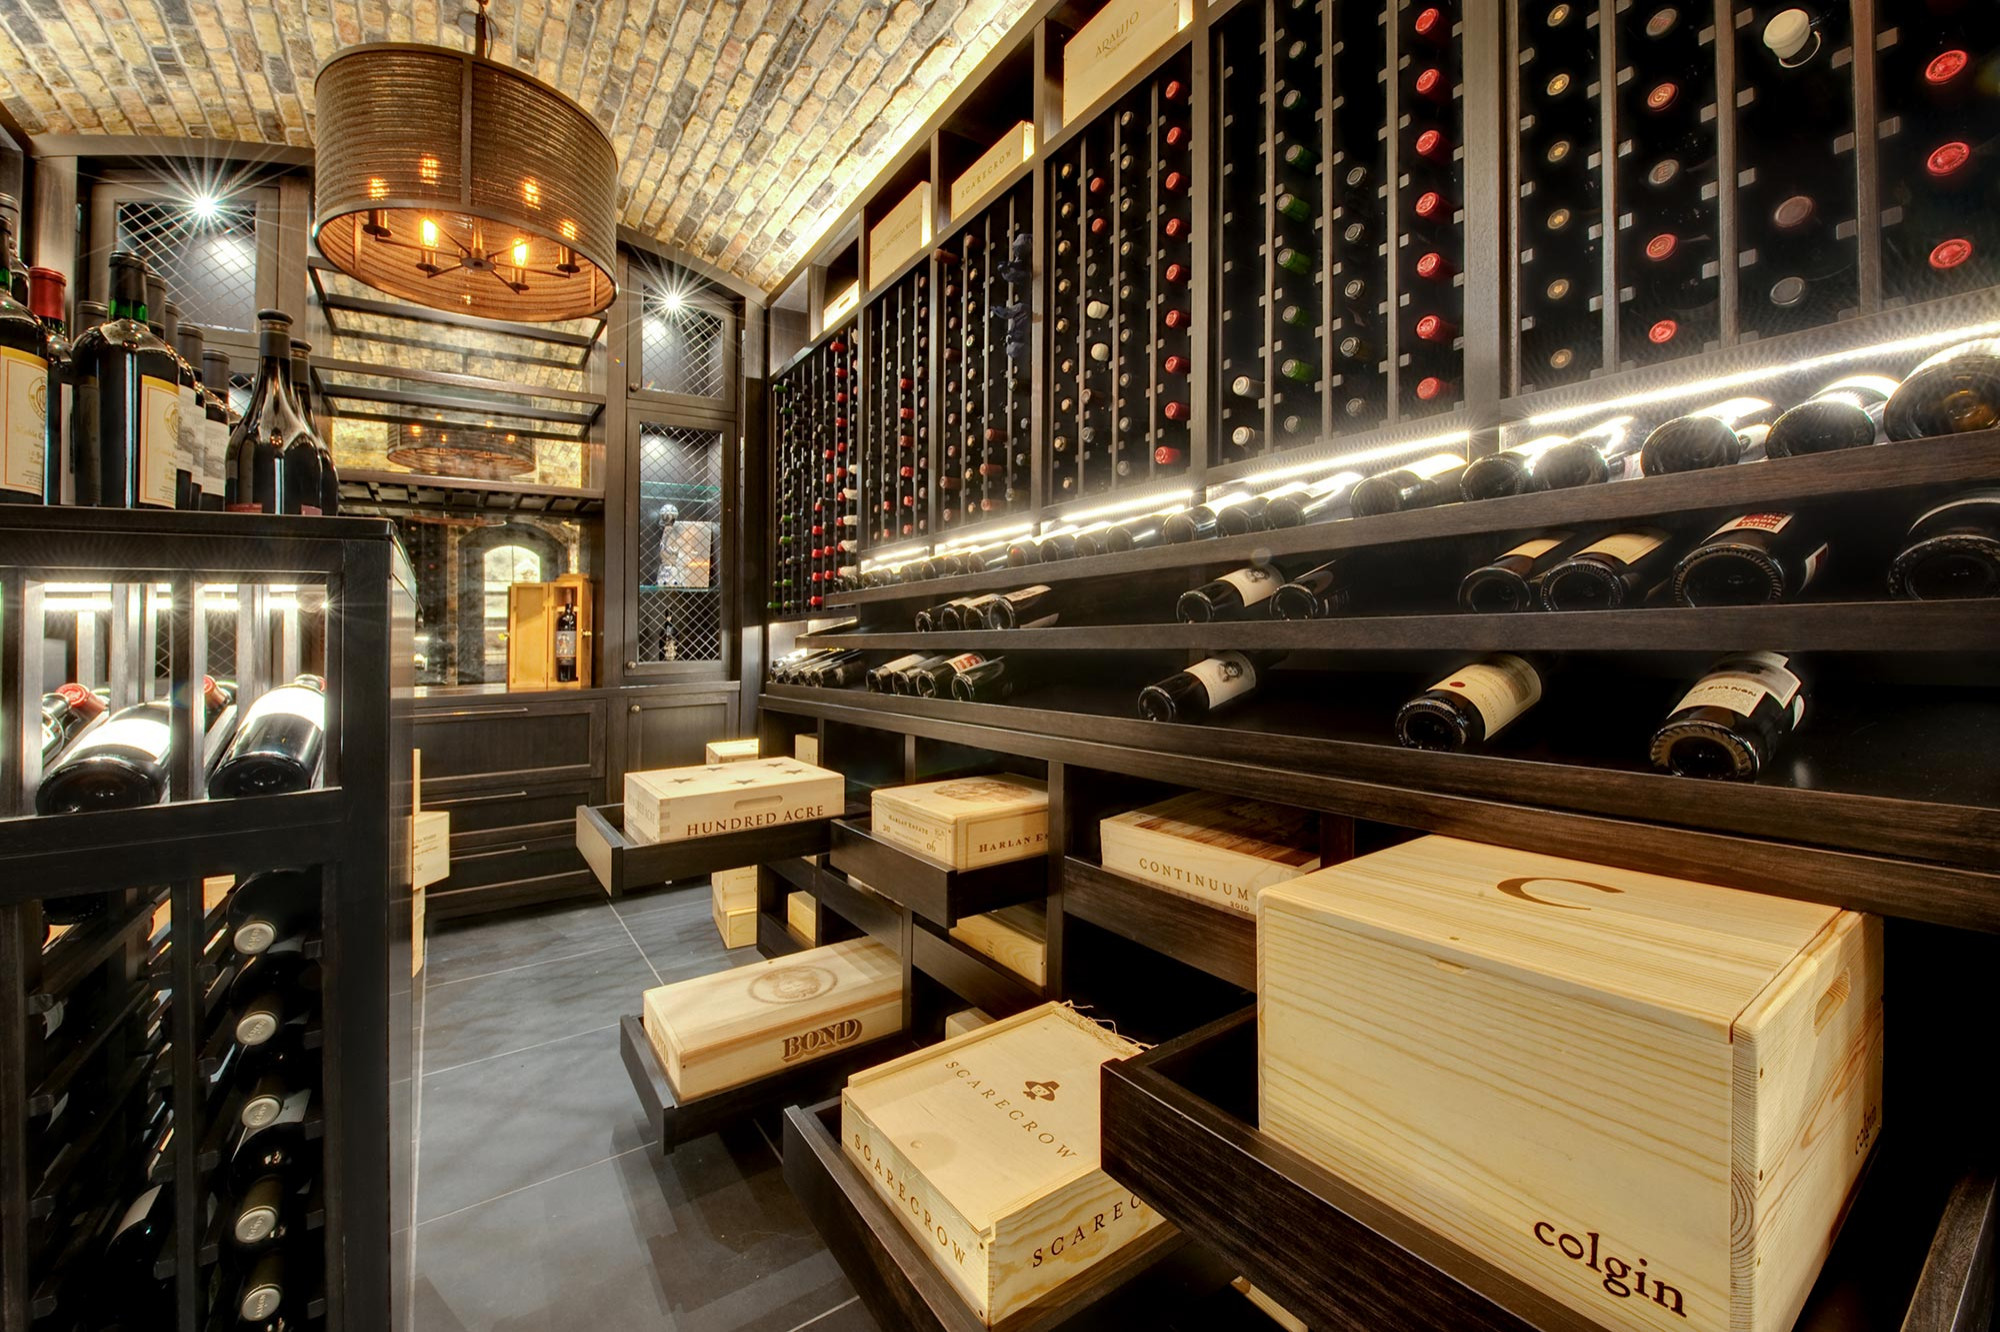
point(732, 751)
point(1112, 45)
point(1017, 937)
point(805, 748)
point(802, 914)
point(900, 233)
point(673, 804)
point(966, 822)
point(985, 1146)
point(531, 632)
point(735, 888)
point(1647, 1098)
point(964, 1020)
point(736, 925)
point(1216, 848)
point(723, 1030)
point(430, 847)
point(977, 181)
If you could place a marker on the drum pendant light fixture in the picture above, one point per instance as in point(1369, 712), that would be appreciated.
point(454, 181)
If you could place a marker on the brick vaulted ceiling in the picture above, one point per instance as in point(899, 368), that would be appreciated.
point(744, 128)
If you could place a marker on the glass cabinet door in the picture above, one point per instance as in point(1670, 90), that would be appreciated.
point(680, 621)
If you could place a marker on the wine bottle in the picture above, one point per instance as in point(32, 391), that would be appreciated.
point(968, 613)
point(1750, 560)
point(1254, 514)
point(266, 1212)
point(1230, 597)
point(1592, 458)
point(1427, 482)
point(120, 764)
point(1472, 705)
point(47, 301)
point(273, 459)
point(1321, 501)
point(994, 680)
point(836, 671)
point(272, 906)
point(1028, 608)
point(67, 712)
point(1511, 581)
point(566, 631)
point(1136, 533)
point(125, 403)
point(1317, 594)
point(1508, 472)
point(1952, 551)
point(877, 679)
point(1846, 414)
point(1610, 572)
point(274, 990)
point(1730, 725)
point(933, 679)
point(1205, 688)
point(1952, 393)
point(24, 401)
point(125, 1292)
point(278, 744)
point(1718, 436)
point(215, 440)
point(1202, 521)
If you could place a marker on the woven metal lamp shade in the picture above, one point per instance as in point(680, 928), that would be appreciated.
point(476, 455)
point(457, 182)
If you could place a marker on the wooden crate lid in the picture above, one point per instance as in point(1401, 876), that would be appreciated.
point(1691, 955)
point(970, 797)
point(959, 1110)
point(710, 1014)
point(701, 779)
point(1277, 833)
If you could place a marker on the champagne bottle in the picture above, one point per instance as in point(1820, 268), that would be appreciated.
point(1718, 436)
point(1611, 572)
point(1512, 580)
point(1730, 725)
point(1952, 551)
point(1472, 705)
point(272, 906)
point(1423, 484)
point(1750, 560)
point(1205, 688)
point(1846, 414)
point(125, 403)
point(1952, 393)
point(1230, 597)
point(274, 464)
point(1317, 594)
point(278, 745)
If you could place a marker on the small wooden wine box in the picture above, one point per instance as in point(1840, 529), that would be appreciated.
point(1006, 155)
point(900, 233)
point(1648, 1098)
point(964, 1020)
point(1017, 937)
point(802, 914)
point(1113, 44)
point(966, 822)
point(735, 888)
point(731, 1027)
point(531, 632)
point(732, 751)
point(672, 804)
point(986, 1146)
point(1217, 848)
point(805, 748)
point(736, 925)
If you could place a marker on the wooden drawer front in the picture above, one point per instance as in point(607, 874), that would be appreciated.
point(446, 900)
point(514, 858)
point(509, 806)
point(466, 747)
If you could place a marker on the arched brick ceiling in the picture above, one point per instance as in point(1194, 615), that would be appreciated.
point(744, 128)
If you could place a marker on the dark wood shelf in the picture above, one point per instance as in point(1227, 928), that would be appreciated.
point(1867, 852)
point(1177, 1128)
point(933, 890)
point(674, 1122)
point(621, 864)
point(406, 490)
point(872, 914)
point(1221, 943)
point(973, 977)
point(1875, 471)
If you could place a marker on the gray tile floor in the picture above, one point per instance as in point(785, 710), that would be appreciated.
point(539, 1206)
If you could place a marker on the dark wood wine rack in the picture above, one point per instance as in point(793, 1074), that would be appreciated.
point(815, 407)
point(986, 449)
point(1427, 215)
point(895, 370)
point(119, 1027)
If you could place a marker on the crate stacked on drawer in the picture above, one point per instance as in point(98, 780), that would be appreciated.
point(896, 472)
point(986, 469)
point(1121, 312)
point(816, 527)
point(1938, 111)
point(1560, 210)
point(1431, 226)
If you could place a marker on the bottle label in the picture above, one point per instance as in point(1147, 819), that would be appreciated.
point(965, 660)
point(293, 1111)
point(291, 700)
point(1809, 570)
point(1630, 547)
point(1751, 679)
point(215, 456)
point(566, 644)
point(1501, 688)
point(24, 401)
point(1038, 590)
point(1773, 523)
point(136, 1213)
point(139, 731)
point(1540, 546)
point(1255, 583)
point(194, 424)
point(159, 439)
point(900, 664)
point(1230, 675)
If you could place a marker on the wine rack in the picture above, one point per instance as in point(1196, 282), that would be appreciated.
point(1358, 276)
point(1430, 224)
point(986, 467)
point(896, 447)
point(1122, 306)
point(816, 531)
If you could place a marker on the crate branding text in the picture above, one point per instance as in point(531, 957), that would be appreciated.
point(1621, 1278)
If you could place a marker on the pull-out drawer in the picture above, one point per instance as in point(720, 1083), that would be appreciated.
point(509, 807)
point(480, 744)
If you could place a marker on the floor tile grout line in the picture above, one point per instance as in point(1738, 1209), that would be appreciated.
point(828, 1314)
point(541, 962)
point(553, 1040)
point(565, 1174)
point(644, 956)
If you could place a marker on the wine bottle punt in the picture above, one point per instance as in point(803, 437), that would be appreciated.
point(1846, 414)
point(278, 745)
point(1205, 688)
point(1610, 572)
point(1472, 705)
point(1954, 392)
point(1230, 597)
point(1730, 725)
point(1511, 581)
point(1750, 560)
point(1952, 551)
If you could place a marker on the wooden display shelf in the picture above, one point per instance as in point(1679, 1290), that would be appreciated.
point(931, 889)
point(776, 938)
point(1159, 1282)
point(1868, 853)
point(1342, 1261)
point(1830, 626)
point(1221, 943)
point(675, 1123)
point(621, 864)
point(871, 913)
point(1889, 468)
point(972, 976)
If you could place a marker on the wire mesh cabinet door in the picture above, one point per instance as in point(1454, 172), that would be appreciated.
point(680, 607)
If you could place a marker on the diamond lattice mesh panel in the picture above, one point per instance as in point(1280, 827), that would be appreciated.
point(209, 262)
point(680, 544)
point(681, 351)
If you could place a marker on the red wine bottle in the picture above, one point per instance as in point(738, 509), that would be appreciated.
point(1205, 688)
point(274, 462)
point(1609, 573)
point(272, 906)
point(1317, 594)
point(120, 764)
point(1750, 560)
point(1719, 436)
point(1952, 551)
point(1472, 705)
point(1512, 580)
point(25, 406)
point(1730, 725)
point(1230, 597)
point(1846, 414)
point(1422, 484)
point(1952, 393)
point(278, 746)
point(126, 402)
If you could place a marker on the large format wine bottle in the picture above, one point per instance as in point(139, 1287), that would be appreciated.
point(126, 405)
point(1472, 705)
point(1204, 688)
point(278, 743)
point(121, 764)
point(1718, 436)
point(1613, 571)
point(309, 407)
point(1426, 482)
point(1230, 597)
point(1952, 551)
point(1316, 594)
point(1751, 559)
point(272, 906)
point(273, 458)
point(66, 713)
point(1846, 414)
point(1730, 724)
point(1512, 580)
point(1954, 392)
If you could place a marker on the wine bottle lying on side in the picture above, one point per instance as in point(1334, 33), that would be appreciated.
point(1472, 705)
point(1720, 436)
point(1750, 560)
point(1206, 687)
point(1512, 580)
point(1731, 724)
point(1953, 393)
point(1952, 551)
point(1423, 484)
point(1231, 597)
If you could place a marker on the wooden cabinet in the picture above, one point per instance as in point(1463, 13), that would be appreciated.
point(471, 743)
point(672, 728)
